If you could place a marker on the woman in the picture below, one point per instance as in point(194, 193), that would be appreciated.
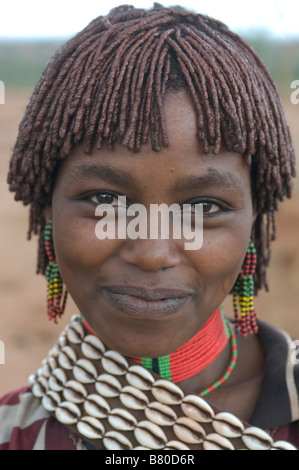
point(153, 107)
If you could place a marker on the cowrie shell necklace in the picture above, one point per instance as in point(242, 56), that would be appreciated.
point(117, 404)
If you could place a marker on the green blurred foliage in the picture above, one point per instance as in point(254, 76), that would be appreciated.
point(281, 57)
point(22, 61)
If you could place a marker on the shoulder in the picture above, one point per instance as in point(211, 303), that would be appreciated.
point(278, 403)
point(26, 425)
point(288, 432)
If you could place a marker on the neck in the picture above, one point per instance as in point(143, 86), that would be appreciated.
point(195, 355)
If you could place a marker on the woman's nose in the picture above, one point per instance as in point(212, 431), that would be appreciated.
point(151, 254)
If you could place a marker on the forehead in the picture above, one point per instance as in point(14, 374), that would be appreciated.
point(182, 160)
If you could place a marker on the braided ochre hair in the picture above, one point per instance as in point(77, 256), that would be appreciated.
point(109, 82)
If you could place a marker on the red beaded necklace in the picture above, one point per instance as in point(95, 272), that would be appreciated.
point(197, 354)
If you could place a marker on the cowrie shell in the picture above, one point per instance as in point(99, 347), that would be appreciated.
point(114, 363)
point(62, 340)
point(67, 358)
point(257, 439)
point(176, 445)
point(150, 435)
point(40, 387)
point(214, 441)
point(108, 386)
point(67, 413)
point(75, 333)
point(75, 317)
point(122, 420)
point(113, 440)
point(139, 377)
point(283, 445)
point(74, 392)
point(167, 392)
point(32, 379)
point(85, 372)
point(133, 398)
point(189, 431)
point(228, 425)
point(160, 414)
point(45, 371)
point(57, 380)
point(40, 372)
point(91, 427)
point(54, 352)
point(96, 406)
point(92, 347)
point(198, 409)
point(50, 401)
point(53, 364)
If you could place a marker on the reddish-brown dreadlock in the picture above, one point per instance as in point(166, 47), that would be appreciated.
point(109, 82)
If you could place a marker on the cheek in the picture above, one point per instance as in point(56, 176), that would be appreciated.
point(220, 259)
point(79, 254)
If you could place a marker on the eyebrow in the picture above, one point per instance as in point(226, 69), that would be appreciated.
point(96, 170)
point(213, 177)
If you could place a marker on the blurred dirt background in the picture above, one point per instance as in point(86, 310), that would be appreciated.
point(24, 329)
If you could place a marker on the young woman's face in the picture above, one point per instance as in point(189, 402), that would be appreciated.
point(146, 297)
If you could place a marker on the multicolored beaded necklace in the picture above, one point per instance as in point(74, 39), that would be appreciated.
point(231, 366)
point(197, 354)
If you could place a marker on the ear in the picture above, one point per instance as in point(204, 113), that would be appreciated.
point(48, 213)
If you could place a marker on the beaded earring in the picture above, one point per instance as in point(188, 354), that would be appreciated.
point(243, 293)
point(56, 296)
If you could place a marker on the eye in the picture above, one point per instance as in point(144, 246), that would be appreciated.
point(104, 198)
point(210, 207)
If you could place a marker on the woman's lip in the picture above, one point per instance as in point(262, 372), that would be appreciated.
point(148, 294)
point(149, 304)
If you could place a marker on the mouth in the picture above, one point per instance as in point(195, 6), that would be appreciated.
point(143, 303)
